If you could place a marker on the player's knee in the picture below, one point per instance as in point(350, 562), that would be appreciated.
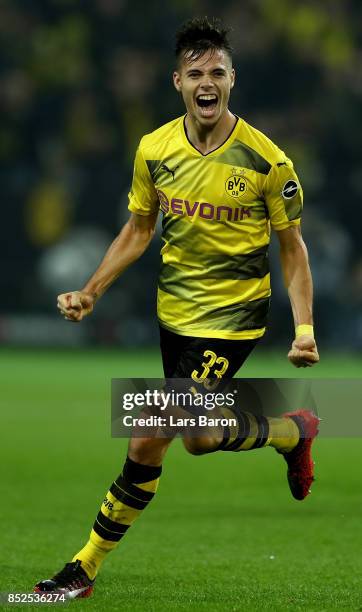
point(148, 451)
point(199, 446)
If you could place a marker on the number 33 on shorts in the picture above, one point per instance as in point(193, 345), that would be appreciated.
point(213, 360)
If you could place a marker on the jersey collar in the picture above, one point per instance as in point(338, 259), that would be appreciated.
point(218, 149)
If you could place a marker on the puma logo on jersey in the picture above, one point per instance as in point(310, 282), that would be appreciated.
point(169, 170)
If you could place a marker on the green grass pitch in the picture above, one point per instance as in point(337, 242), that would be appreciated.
point(223, 532)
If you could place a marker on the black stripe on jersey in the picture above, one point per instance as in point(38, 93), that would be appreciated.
point(294, 207)
point(245, 315)
point(240, 154)
point(235, 317)
point(225, 267)
point(123, 497)
point(160, 171)
point(154, 166)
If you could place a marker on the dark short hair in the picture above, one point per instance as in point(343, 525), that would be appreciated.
point(200, 34)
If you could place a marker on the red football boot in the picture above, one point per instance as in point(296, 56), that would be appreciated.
point(299, 460)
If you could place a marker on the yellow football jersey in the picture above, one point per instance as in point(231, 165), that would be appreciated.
point(217, 210)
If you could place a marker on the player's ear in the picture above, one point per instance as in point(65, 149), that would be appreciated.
point(177, 81)
point(232, 78)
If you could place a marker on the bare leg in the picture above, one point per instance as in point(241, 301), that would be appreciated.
point(148, 451)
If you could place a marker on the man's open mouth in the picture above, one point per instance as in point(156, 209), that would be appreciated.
point(207, 103)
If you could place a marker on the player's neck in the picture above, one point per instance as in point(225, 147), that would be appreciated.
point(207, 139)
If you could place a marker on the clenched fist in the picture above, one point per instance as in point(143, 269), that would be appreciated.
point(75, 305)
point(303, 353)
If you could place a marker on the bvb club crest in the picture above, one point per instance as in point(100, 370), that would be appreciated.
point(236, 185)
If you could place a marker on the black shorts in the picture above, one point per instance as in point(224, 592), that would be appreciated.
point(202, 358)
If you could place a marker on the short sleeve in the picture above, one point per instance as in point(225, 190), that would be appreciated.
point(143, 199)
point(283, 195)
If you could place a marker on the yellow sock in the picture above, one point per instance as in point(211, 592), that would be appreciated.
point(256, 431)
point(283, 434)
point(92, 555)
point(124, 502)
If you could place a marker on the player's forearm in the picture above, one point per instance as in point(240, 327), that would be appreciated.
point(298, 281)
point(129, 245)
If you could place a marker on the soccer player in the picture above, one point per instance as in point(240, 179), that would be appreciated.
point(220, 185)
